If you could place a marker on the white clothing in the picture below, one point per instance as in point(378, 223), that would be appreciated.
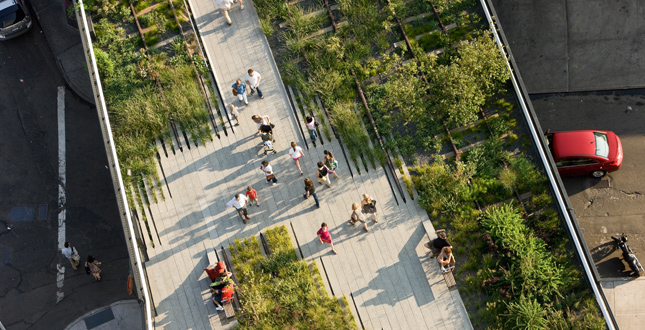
point(264, 122)
point(253, 81)
point(312, 125)
point(295, 154)
point(67, 252)
point(242, 97)
point(267, 170)
point(223, 4)
point(238, 204)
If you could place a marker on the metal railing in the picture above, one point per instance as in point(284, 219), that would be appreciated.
point(136, 263)
point(549, 166)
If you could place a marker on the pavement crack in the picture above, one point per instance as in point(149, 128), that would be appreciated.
point(632, 193)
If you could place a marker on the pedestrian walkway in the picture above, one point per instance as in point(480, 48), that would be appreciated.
point(385, 272)
point(121, 315)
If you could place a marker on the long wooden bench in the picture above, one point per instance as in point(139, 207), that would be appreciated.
point(446, 272)
point(229, 311)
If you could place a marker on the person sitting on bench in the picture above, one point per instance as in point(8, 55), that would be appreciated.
point(438, 243)
point(222, 290)
point(446, 259)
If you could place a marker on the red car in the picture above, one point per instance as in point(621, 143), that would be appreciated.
point(593, 153)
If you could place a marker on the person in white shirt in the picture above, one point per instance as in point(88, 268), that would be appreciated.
point(268, 172)
point(70, 253)
point(239, 204)
point(296, 153)
point(253, 81)
point(224, 6)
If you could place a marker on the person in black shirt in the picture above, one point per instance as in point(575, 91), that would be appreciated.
point(438, 243)
point(310, 190)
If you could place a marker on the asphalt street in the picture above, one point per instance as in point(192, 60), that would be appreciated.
point(29, 255)
point(603, 212)
point(576, 45)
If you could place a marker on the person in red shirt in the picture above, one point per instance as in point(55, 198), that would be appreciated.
point(252, 195)
point(223, 290)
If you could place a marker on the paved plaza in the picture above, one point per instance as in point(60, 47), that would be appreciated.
point(392, 281)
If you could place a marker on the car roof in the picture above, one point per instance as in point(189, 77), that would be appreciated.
point(574, 143)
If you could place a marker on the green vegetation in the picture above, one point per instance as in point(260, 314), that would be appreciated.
point(279, 291)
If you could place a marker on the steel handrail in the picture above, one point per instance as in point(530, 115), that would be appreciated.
point(115, 171)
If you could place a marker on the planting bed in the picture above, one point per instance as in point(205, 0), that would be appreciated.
point(155, 85)
point(278, 291)
point(440, 102)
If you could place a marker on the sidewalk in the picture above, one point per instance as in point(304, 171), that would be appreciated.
point(625, 297)
point(65, 43)
point(386, 271)
point(121, 315)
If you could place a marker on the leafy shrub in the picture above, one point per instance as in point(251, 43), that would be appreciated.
point(532, 271)
point(104, 8)
point(279, 291)
point(105, 65)
point(526, 314)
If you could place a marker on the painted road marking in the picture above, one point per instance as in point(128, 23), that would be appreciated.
point(62, 200)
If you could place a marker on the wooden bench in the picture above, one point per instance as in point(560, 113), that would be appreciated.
point(229, 311)
point(446, 272)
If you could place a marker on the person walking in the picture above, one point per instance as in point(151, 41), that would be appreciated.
point(296, 153)
point(239, 204)
point(253, 80)
point(330, 163)
point(357, 217)
point(322, 174)
point(325, 236)
point(311, 125)
point(93, 265)
point(268, 172)
point(263, 123)
point(71, 253)
point(368, 206)
point(310, 190)
point(224, 7)
point(239, 89)
point(235, 114)
point(252, 196)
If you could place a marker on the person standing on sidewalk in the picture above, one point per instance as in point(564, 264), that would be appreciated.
point(310, 190)
point(311, 125)
point(268, 172)
point(253, 80)
point(240, 88)
point(252, 196)
point(330, 163)
point(93, 265)
point(296, 153)
point(239, 204)
point(224, 6)
point(325, 236)
point(70, 253)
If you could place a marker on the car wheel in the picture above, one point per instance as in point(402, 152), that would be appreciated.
point(597, 174)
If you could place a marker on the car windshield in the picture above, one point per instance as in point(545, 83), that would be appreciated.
point(602, 146)
point(8, 13)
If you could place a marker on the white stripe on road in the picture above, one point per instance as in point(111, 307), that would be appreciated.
point(62, 201)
